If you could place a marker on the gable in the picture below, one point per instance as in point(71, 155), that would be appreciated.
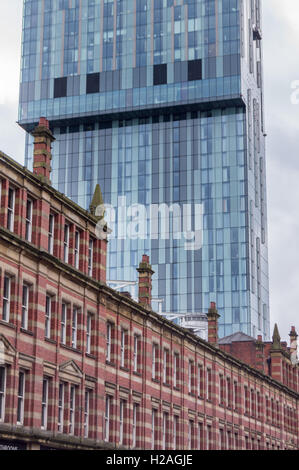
point(7, 351)
point(70, 372)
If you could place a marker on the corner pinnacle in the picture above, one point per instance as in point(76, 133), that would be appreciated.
point(276, 338)
point(97, 200)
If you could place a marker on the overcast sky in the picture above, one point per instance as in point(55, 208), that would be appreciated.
point(281, 44)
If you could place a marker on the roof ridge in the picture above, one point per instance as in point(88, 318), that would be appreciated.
point(234, 335)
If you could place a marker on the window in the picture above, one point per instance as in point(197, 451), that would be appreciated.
point(86, 412)
point(121, 421)
point(2, 392)
point(259, 405)
point(28, 232)
point(45, 395)
point(51, 234)
point(267, 409)
point(25, 306)
point(123, 342)
point(222, 390)
point(236, 441)
point(160, 74)
point(199, 436)
point(90, 257)
point(137, 353)
point(60, 87)
point(190, 371)
point(155, 362)
point(61, 407)
point(228, 392)
point(6, 298)
point(235, 396)
point(194, 70)
point(154, 425)
point(77, 249)
point(63, 323)
point(222, 439)
point(21, 398)
point(109, 342)
point(176, 442)
point(209, 437)
point(107, 419)
point(48, 316)
point(92, 83)
point(190, 434)
point(246, 396)
point(66, 243)
point(74, 327)
point(200, 380)
point(166, 366)
point(273, 412)
point(229, 440)
point(252, 402)
point(164, 431)
point(89, 333)
point(176, 366)
point(135, 422)
point(72, 409)
point(11, 209)
point(209, 384)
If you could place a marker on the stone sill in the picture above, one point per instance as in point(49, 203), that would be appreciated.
point(10, 325)
point(26, 332)
point(108, 363)
point(69, 348)
point(49, 340)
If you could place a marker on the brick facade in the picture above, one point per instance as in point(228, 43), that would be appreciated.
point(85, 367)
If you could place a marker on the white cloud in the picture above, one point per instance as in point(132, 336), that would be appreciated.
point(11, 135)
point(280, 39)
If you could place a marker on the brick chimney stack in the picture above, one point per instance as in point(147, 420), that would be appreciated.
point(43, 139)
point(213, 324)
point(276, 352)
point(259, 354)
point(293, 345)
point(145, 282)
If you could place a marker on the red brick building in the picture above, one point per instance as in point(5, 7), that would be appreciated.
point(85, 367)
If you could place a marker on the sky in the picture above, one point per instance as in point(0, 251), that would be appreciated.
point(281, 70)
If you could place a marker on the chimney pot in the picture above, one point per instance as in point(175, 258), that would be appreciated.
point(43, 122)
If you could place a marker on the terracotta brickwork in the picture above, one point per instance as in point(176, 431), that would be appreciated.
point(43, 139)
point(86, 367)
point(272, 358)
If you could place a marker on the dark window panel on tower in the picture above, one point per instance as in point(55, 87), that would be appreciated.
point(195, 69)
point(160, 74)
point(93, 83)
point(60, 87)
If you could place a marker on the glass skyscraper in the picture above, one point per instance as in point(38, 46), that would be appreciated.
point(161, 102)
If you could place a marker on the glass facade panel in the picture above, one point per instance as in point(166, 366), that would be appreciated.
point(160, 102)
